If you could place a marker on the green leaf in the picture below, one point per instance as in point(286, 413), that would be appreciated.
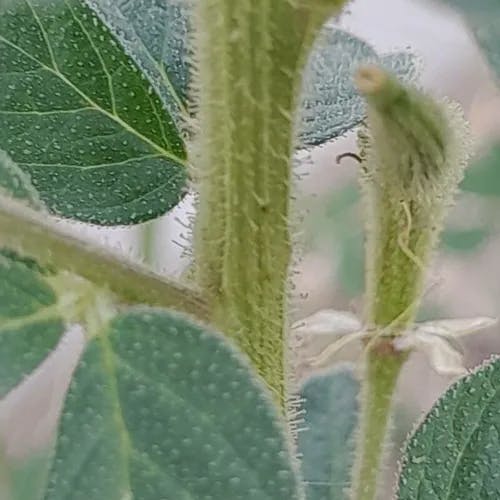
point(30, 325)
point(455, 452)
point(160, 408)
point(81, 120)
point(157, 40)
point(17, 183)
point(483, 176)
point(464, 240)
point(326, 446)
point(331, 104)
point(28, 476)
point(483, 17)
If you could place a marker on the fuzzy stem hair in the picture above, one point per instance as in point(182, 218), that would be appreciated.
point(382, 366)
point(34, 234)
point(250, 59)
point(413, 159)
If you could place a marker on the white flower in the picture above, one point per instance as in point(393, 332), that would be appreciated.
point(438, 340)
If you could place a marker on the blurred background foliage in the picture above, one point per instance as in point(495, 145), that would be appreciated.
point(464, 279)
point(335, 222)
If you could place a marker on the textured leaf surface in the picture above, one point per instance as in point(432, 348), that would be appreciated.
point(81, 120)
point(483, 17)
point(159, 408)
point(30, 326)
point(157, 40)
point(28, 476)
point(326, 446)
point(455, 453)
point(17, 183)
point(331, 104)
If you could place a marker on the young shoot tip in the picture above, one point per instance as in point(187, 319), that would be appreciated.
point(370, 79)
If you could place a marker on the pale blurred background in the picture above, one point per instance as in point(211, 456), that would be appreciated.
point(466, 272)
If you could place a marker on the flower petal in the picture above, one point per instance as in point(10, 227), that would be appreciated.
point(456, 327)
point(444, 358)
point(328, 322)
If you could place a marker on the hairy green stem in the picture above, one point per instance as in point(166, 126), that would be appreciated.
point(381, 371)
point(413, 160)
point(32, 233)
point(251, 55)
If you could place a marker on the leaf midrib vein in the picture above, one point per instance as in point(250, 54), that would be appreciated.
point(203, 415)
point(158, 65)
point(466, 443)
point(45, 113)
point(41, 315)
point(164, 75)
point(109, 78)
point(90, 167)
point(94, 105)
point(44, 35)
point(109, 369)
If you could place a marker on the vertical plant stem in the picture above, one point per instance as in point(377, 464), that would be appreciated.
point(394, 278)
point(251, 54)
point(394, 283)
point(412, 163)
point(382, 366)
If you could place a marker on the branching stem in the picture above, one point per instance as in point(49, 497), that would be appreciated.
point(33, 234)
